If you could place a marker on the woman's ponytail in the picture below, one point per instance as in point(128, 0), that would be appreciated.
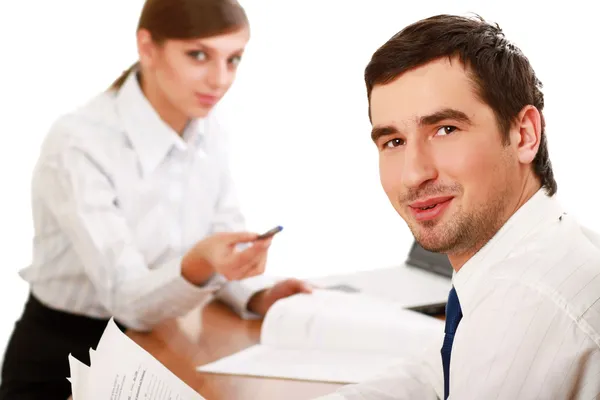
point(116, 85)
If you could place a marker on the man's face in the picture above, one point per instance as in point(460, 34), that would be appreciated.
point(442, 161)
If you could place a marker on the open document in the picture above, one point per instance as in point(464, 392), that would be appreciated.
point(332, 336)
point(121, 370)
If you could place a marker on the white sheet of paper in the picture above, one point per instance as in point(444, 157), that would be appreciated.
point(332, 337)
point(121, 370)
point(332, 321)
point(78, 378)
point(309, 365)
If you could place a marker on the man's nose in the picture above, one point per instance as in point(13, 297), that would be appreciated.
point(419, 166)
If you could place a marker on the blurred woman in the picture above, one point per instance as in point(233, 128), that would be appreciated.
point(134, 209)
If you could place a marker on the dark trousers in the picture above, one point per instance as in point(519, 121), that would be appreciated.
point(36, 362)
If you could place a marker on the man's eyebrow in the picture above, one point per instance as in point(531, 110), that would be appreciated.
point(444, 114)
point(380, 131)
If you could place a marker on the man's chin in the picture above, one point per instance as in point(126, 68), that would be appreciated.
point(433, 247)
point(428, 227)
point(432, 239)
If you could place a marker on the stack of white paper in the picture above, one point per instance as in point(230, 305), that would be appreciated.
point(331, 336)
point(121, 370)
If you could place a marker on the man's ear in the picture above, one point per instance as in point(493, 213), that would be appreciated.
point(526, 134)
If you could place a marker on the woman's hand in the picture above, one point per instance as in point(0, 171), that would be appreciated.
point(262, 301)
point(218, 254)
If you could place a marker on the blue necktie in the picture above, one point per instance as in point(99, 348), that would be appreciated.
point(453, 316)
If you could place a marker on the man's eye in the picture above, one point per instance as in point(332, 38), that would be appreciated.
point(393, 143)
point(198, 55)
point(446, 130)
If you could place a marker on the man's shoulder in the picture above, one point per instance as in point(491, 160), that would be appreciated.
point(560, 267)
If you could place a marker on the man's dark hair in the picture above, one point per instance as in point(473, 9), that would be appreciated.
point(503, 76)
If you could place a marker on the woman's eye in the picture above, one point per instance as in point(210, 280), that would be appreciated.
point(198, 55)
point(446, 130)
point(235, 60)
point(393, 143)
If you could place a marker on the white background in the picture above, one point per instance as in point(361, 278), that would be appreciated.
point(298, 115)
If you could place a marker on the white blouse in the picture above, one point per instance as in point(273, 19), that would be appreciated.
point(118, 198)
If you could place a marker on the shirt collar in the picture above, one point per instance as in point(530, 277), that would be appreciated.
point(151, 137)
point(532, 217)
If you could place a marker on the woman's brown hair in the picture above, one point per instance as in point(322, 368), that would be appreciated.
point(187, 19)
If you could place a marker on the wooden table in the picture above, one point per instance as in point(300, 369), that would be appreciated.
point(206, 335)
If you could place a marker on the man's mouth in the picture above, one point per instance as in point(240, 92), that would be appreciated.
point(430, 209)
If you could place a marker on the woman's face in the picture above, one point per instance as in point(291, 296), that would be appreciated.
point(188, 77)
